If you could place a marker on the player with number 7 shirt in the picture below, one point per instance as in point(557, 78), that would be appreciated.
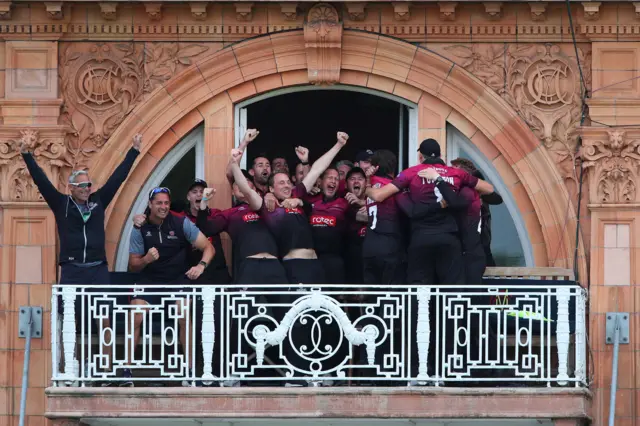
point(435, 252)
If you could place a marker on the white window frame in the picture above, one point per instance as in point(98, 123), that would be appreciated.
point(195, 138)
point(457, 140)
point(240, 114)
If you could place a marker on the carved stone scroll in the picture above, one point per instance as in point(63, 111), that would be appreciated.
point(612, 158)
point(323, 43)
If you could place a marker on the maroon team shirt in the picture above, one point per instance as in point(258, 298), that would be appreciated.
point(195, 255)
point(384, 232)
point(328, 223)
point(290, 227)
point(424, 191)
point(247, 230)
point(355, 231)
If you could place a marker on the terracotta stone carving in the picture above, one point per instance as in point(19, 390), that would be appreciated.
point(493, 9)
point(47, 145)
point(636, 5)
point(108, 10)
point(154, 11)
point(402, 11)
point(591, 10)
point(323, 43)
point(538, 10)
point(541, 83)
point(357, 11)
point(448, 10)
point(244, 11)
point(54, 10)
point(614, 164)
point(289, 11)
point(5, 10)
point(199, 10)
point(102, 83)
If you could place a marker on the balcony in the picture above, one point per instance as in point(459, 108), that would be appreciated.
point(514, 348)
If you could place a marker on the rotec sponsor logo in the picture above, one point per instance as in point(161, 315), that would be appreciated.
point(251, 217)
point(323, 221)
point(293, 211)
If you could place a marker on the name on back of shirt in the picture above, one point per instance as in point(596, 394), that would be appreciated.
point(447, 179)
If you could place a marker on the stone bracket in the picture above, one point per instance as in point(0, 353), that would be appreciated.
point(622, 319)
point(27, 313)
point(323, 44)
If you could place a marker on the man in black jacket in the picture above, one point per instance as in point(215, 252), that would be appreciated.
point(80, 222)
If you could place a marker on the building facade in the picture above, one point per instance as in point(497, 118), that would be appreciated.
point(556, 122)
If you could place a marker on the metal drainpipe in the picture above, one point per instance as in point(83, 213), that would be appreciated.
point(29, 324)
point(617, 331)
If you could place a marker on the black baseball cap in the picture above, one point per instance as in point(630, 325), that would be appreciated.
point(198, 182)
point(430, 148)
point(355, 170)
point(364, 155)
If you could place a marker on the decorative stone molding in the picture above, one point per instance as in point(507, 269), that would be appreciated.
point(612, 157)
point(199, 10)
point(356, 11)
point(402, 11)
point(154, 11)
point(108, 10)
point(47, 146)
point(101, 83)
point(538, 11)
point(323, 44)
point(32, 70)
point(244, 11)
point(542, 85)
point(636, 5)
point(447, 10)
point(591, 10)
point(5, 10)
point(54, 10)
point(289, 11)
point(493, 9)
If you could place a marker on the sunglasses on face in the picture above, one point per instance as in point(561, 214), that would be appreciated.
point(159, 190)
point(82, 185)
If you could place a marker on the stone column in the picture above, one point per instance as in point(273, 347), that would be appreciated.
point(30, 110)
point(611, 158)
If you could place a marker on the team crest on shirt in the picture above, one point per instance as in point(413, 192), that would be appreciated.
point(293, 211)
point(92, 205)
point(362, 232)
point(319, 220)
point(251, 217)
point(172, 235)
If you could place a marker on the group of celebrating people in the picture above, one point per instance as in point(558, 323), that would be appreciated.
point(325, 223)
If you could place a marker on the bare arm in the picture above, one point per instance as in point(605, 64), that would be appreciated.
point(203, 244)
point(321, 164)
point(380, 194)
point(253, 198)
point(484, 187)
point(138, 262)
point(248, 137)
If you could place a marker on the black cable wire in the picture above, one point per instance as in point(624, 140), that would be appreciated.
point(583, 90)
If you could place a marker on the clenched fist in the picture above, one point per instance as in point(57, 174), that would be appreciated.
point(250, 135)
point(139, 220)
point(236, 156)
point(342, 138)
point(152, 255)
point(302, 153)
point(137, 141)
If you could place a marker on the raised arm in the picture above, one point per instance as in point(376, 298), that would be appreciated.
point(321, 164)
point(111, 186)
point(249, 136)
point(51, 195)
point(253, 198)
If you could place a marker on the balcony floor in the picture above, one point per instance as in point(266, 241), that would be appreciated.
point(130, 405)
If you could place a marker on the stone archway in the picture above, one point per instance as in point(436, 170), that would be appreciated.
point(207, 91)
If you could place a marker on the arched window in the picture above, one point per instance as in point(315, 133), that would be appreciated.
point(510, 242)
point(176, 170)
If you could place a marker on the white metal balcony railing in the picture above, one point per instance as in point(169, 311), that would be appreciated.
point(269, 335)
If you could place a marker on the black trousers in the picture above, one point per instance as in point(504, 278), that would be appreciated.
point(385, 269)
point(435, 259)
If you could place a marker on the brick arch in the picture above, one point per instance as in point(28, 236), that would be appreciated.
point(442, 90)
